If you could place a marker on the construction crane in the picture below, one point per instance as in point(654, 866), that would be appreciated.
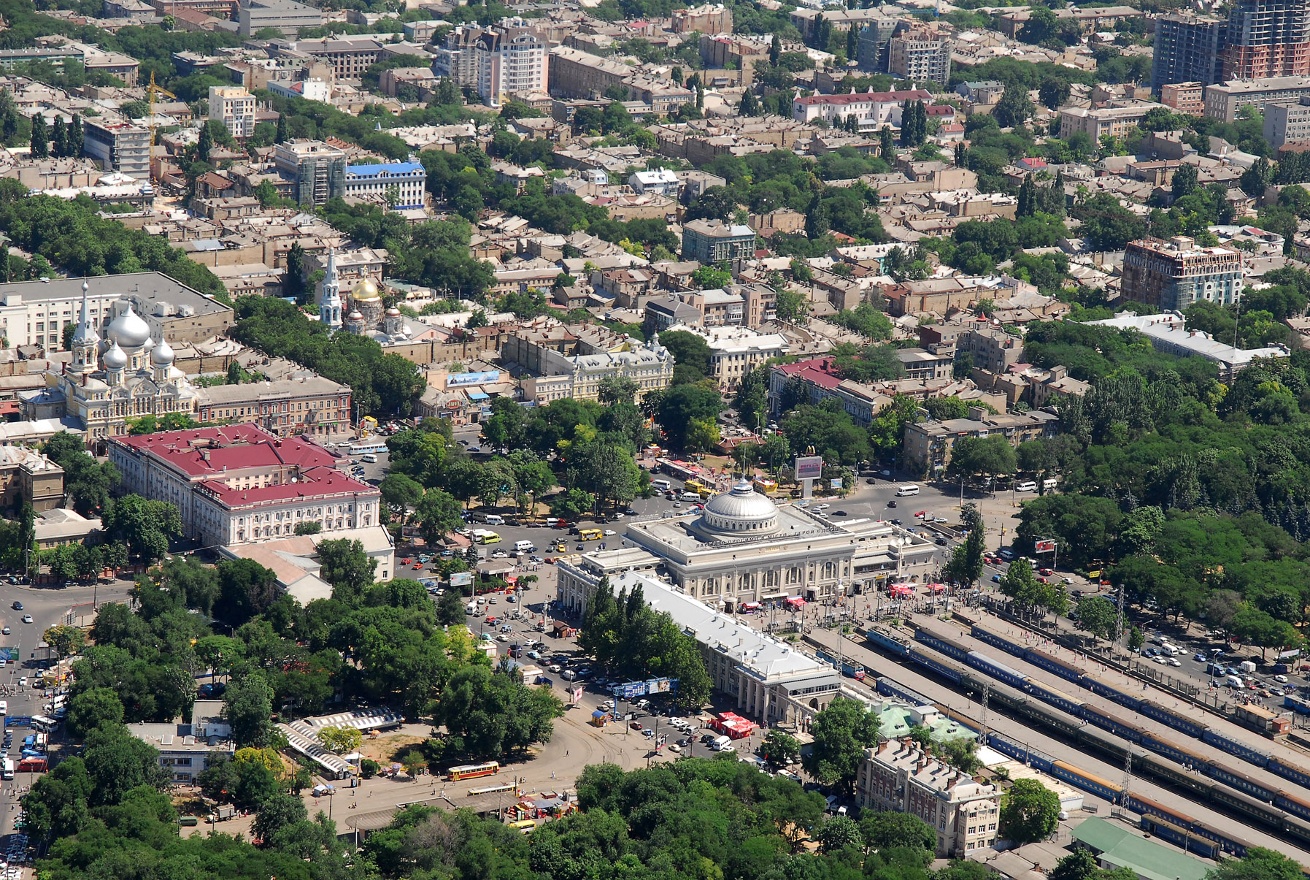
point(152, 92)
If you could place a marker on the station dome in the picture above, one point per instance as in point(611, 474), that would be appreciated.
point(741, 511)
point(128, 330)
point(365, 291)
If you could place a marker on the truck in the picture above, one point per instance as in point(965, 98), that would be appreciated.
point(33, 765)
point(6, 767)
point(1247, 667)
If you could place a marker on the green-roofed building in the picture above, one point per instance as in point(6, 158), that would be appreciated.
point(1117, 847)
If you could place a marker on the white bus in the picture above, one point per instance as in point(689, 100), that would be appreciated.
point(43, 723)
point(367, 448)
point(6, 768)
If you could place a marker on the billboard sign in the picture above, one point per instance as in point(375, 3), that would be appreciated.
point(630, 689)
point(463, 380)
point(461, 578)
point(1044, 545)
point(837, 483)
point(809, 467)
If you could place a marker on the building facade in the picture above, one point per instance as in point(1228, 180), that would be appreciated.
point(713, 241)
point(1224, 100)
point(402, 184)
point(284, 407)
point(1188, 48)
point(113, 380)
point(745, 548)
point(118, 146)
point(234, 107)
point(1184, 97)
point(965, 814)
point(872, 110)
point(763, 678)
point(1172, 275)
point(1100, 122)
point(240, 484)
point(286, 16)
point(926, 448)
point(1287, 123)
point(34, 313)
point(318, 170)
point(920, 54)
point(27, 476)
point(1267, 38)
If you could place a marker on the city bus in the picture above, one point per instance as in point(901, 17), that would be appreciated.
point(470, 771)
point(486, 536)
point(590, 534)
point(44, 724)
point(367, 448)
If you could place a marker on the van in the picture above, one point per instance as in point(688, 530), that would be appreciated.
point(524, 547)
point(370, 458)
point(491, 519)
point(1234, 682)
point(1170, 650)
point(909, 489)
point(1026, 486)
point(1050, 483)
point(719, 744)
point(689, 496)
point(661, 484)
point(471, 608)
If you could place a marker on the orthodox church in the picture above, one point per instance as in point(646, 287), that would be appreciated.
point(124, 375)
point(366, 316)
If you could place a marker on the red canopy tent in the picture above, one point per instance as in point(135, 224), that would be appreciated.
point(733, 725)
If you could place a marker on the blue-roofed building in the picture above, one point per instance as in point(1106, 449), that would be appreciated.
point(402, 183)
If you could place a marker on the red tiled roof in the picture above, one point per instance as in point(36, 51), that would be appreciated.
point(867, 97)
point(940, 110)
point(205, 452)
point(818, 371)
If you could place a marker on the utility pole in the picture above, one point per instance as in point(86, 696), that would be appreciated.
point(986, 695)
point(1119, 616)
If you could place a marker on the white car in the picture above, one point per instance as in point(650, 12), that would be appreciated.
point(1173, 661)
point(609, 533)
point(27, 618)
point(22, 682)
point(1159, 658)
point(675, 748)
point(1281, 679)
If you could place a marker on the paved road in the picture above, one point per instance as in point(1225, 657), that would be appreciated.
point(47, 607)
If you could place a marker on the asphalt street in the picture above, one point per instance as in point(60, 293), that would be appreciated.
point(47, 607)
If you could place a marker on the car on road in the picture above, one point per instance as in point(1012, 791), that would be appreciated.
point(708, 738)
point(27, 618)
point(1174, 661)
point(648, 733)
point(555, 667)
point(22, 681)
point(609, 533)
point(1281, 679)
point(635, 725)
point(1046, 571)
point(1159, 658)
point(871, 481)
point(6, 630)
point(675, 748)
point(499, 554)
point(996, 578)
point(941, 542)
point(17, 606)
point(1199, 657)
point(891, 503)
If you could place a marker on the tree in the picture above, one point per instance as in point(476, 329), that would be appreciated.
point(413, 761)
point(966, 563)
point(1098, 616)
point(1256, 179)
point(750, 105)
point(1078, 865)
point(248, 708)
point(492, 714)
point(146, 527)
point(891, 829)
point(691, 354)
point(438, 514)
point(59, 140)
point(775, 50)
point(1185, 181)
point(842, 732)
point(340, 740)
point(1259, 863)
point(400, 493)
point(293, 279)
point(838, 832)
point(1029, 811)
point(1030, 594)
point(679, 406)
point(1053, 93)
point(75, 136)
point(205, 143)
point(40, 144)
point(793, 307)
point(1014, 108)
point(780, 748)
point(66, 640)
point(117, 762)
point(277, 813)
point(344, 564)
point(1027, 198)
point(92, 708)
point(981, 456)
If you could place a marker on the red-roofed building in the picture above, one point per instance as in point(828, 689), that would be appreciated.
point(873, 110)
point(239, 484)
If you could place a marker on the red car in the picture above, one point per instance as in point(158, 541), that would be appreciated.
point(921, 514)
point(1046, 571)
point(491, 618)
point(417, 566)
point(406, 561)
